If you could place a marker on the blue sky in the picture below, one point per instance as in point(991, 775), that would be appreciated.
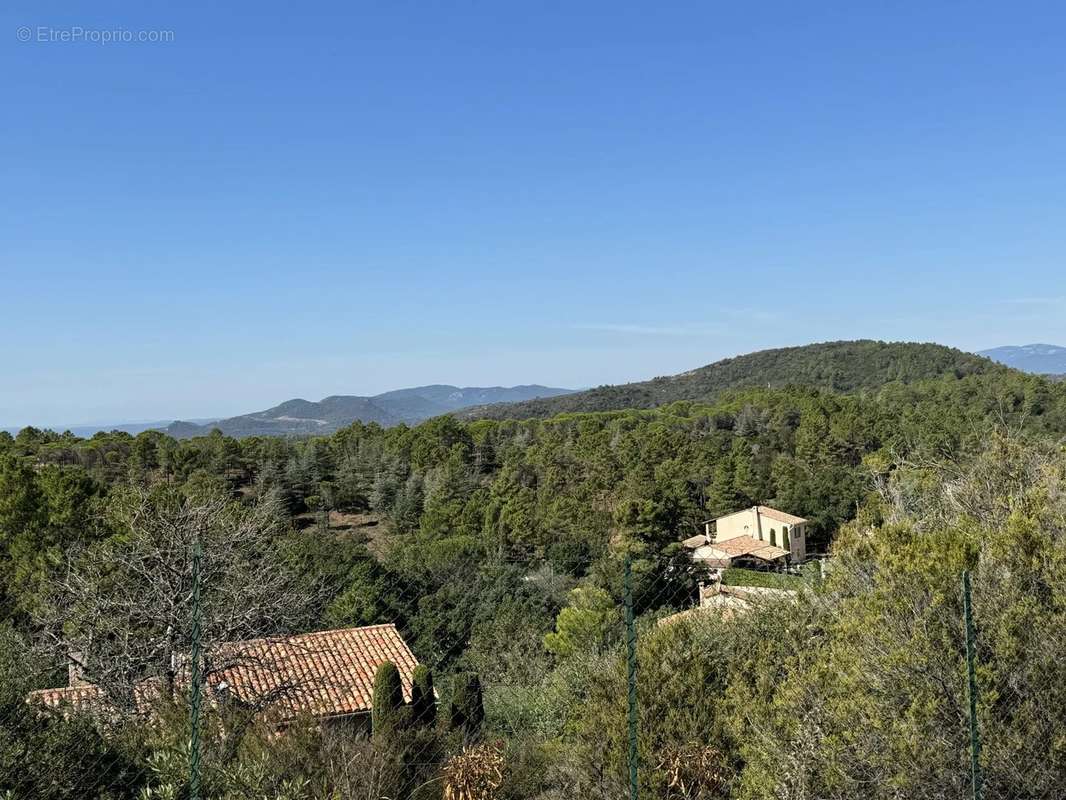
point(342, 198)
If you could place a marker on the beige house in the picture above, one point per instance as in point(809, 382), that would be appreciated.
point(759, 534)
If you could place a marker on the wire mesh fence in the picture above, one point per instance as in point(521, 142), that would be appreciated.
point(186, 664)
point(638, 703)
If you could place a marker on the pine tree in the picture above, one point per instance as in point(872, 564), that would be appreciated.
point(722, 496)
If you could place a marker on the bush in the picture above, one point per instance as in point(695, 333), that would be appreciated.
point(48, 757)
point(736, 576)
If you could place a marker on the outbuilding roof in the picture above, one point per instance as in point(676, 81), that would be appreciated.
point(747, 546)
point(692, 542)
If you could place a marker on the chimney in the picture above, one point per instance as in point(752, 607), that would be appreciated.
point(710, 530)
point(76, 668)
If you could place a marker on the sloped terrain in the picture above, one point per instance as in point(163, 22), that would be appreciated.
point(303, 417)
point(846, 366)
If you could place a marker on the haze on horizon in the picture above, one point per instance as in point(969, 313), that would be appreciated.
point(390, 197)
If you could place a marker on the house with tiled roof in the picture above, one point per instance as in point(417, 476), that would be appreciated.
point(328, 675)
point(759, 535)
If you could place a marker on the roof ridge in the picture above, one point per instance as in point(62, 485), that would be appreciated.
point(779, 515)
point(347, 630)
point(332, 677)
point(288, 637)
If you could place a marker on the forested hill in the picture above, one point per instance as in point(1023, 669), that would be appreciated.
point(498, 549)
point(836, 366)
point(303, 417)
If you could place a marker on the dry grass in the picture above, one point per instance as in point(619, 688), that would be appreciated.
point(474, 774)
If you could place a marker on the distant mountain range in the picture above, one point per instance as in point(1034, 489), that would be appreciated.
point(1043, 359)
point(302, 417)
point(87, 430)
point(849, 366)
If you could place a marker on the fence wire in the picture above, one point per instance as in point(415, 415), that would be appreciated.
point(658, 678)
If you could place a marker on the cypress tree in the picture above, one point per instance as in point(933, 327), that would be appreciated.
point(388, 698)
point(423, 701)
point(466, 711)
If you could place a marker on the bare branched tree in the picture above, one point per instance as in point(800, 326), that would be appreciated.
point(120, 611)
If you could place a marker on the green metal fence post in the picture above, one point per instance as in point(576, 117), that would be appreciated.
point(971, 652)
point(195, 689)
point(631, 672)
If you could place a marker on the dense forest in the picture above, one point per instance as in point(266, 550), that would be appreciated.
point(848, 366)
point(497, 547)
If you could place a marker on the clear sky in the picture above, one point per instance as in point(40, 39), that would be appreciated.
point(305, 199)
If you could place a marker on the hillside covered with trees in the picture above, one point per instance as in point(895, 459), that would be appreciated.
point(848, 366)
point(497, 548)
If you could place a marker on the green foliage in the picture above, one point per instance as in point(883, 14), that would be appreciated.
point(735, 576)
point(366, 594)
point(423, 698)
point(43, 513)
point(387, 699)
point(496, 546)
point(45, 756)
point(684, 671)
point(849, 366)
point(466, 711)
point(590, 620)
point(869, 689)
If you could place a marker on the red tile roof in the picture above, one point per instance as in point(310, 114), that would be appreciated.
point(324, 674)
point(747, 546)
point(88, 698)
point(766, 511)
point(693, 542)
point(781, 516)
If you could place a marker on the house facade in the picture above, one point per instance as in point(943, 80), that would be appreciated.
point(765, 524)
point(759, 534)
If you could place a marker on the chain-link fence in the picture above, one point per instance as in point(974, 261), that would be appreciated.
point(210, 652)
point(672, 687)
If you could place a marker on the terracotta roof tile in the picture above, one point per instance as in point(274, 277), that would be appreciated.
point(766, 511)
point(747, 546)
point(324, 674)
point(781, 516)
